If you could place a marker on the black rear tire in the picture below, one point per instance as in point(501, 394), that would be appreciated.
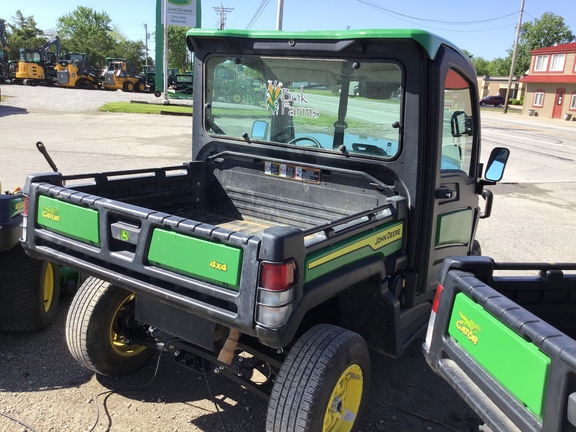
point(99, 326)
point(29, 291)
point(323, 383)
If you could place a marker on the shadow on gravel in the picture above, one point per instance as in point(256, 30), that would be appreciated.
point(237, 408)
point(6, 110)
point(405, 396)
point(39, 361)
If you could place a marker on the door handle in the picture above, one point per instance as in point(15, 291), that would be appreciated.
point(444, 193)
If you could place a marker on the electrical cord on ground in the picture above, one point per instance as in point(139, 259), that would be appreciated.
point(214, 402)
point(15, 420)
point(109, 393)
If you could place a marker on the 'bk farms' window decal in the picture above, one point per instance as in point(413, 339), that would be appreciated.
point(281, 100)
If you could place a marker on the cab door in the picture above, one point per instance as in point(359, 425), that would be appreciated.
point(455, 202)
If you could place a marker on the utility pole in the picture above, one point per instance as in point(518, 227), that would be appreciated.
point(513, 65)
point(280, 14)
point(222, 11)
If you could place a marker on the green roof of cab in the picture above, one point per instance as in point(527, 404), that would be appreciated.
point(430, 42)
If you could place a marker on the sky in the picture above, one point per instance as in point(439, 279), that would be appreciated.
point(485, 29)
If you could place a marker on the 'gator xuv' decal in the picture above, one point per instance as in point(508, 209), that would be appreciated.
point(468, 328)
point(71, 220)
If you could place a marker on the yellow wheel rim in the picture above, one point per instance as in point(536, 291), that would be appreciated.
point(236, 98)
point(48, 287)
point(344, 402)
point(117, 339)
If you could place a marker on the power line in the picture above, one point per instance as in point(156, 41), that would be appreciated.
point(257, 14)
point(380, 8)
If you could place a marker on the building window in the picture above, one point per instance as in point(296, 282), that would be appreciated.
point(538, 98)
point(557, 63)
point(541, 63)
point(573, 102)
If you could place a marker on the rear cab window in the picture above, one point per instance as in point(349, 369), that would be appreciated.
point(336, 105)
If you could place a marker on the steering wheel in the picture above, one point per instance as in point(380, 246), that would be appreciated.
point(314, 141)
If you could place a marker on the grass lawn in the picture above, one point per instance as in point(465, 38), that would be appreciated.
point(144, 108)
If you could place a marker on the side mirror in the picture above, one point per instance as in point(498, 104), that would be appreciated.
point(461, 124)
point(497, 164)
point(260, 130)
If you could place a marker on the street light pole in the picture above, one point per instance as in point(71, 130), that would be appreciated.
point(165, 66)
point(146, 42)
point(280, 14)
point(513, 65)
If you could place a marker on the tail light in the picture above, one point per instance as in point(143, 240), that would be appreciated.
point(24, 237)
point(276, 289)
point(432, 319)
point(436, 301)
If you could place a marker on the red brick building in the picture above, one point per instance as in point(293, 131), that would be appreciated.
point(551, 82)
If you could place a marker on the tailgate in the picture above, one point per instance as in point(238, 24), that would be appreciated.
point(191, 265)
point(515, 370)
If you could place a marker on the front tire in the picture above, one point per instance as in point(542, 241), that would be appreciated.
point(128, 86)
point(323, 383)
point(99, 326)
point(476, 249)
point(29, 291)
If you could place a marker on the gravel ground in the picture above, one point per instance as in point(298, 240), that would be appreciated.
point(71, 100)
point(43, 387)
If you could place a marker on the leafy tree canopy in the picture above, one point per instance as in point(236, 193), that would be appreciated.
point(83, 30)
point(87, 31)
point(177, 48)
point(23, 32)
point(549, 30)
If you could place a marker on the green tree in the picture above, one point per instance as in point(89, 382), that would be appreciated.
point(85, 30)
point(500, 66)
point(548, 30)
point(177, 50)
point(480, 63)
point(482, 66)
point(24, 33)
point(130, 50)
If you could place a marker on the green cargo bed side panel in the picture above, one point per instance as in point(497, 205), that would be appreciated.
point(71, 220)
point(202, 259)
point(513, 361)
point(382, 242)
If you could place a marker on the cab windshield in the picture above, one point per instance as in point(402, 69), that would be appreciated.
point(317, 104)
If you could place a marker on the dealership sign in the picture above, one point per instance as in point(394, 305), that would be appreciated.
point(180, 13)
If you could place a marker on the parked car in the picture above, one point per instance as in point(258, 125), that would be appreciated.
point(497, 101)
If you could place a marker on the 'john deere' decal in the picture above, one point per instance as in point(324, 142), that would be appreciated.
point(382, 242)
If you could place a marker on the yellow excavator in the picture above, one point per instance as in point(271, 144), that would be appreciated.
point(38, 66)
point(123, 75)
point(75, 71)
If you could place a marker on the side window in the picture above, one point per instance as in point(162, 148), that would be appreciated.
point(458, 125)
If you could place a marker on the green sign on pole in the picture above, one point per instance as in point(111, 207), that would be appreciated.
point(186, 13)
